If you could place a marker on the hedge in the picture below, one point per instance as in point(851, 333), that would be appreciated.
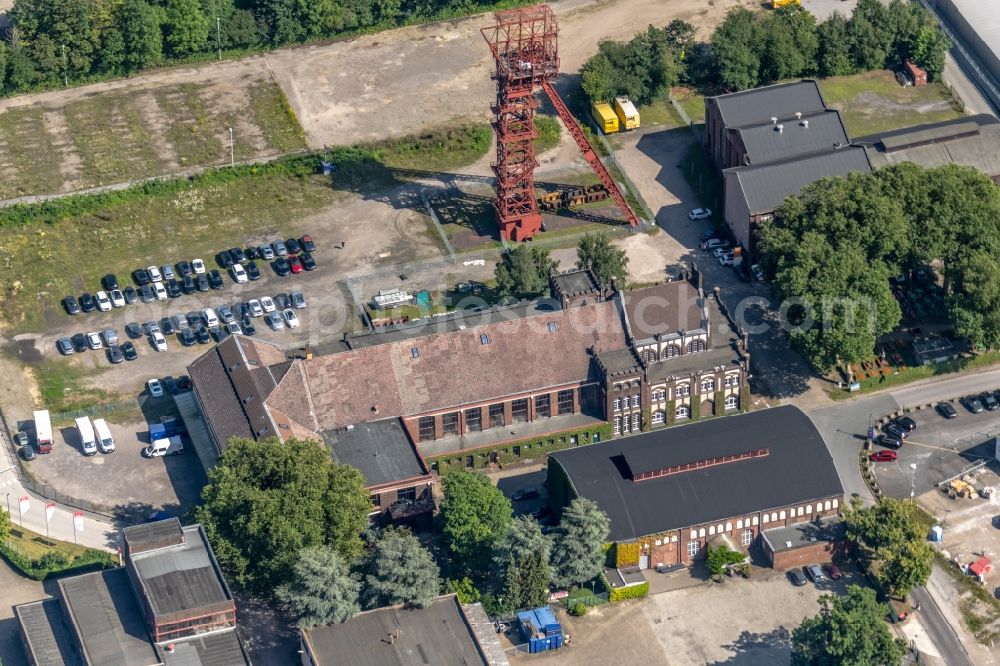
point(720, 403)
point(630, 592)
point(745, 398)
point(671, 412)
point(695, 407)
point(627, 554)
point(55, 563)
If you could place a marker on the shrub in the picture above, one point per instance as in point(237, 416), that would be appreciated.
point(579, 609)
point(630, 592)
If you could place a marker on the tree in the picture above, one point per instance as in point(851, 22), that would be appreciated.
point(474, 514)
point(522, 558)
point(791, 42)
point(348, 503)
point(400, 571)
point(523, 272)
point(322, 589)
point(4, 526)
point(736, 46)
point(139, 25)
point(719, 559)
point(904, 566)
point(578, 548)
point(834, 47)
point(607, 262)
point(186, 27)
point(241, 30)
point(872, 35)
point(848, 631)
point(928, 47)
point(599, 78)
point(893, 534)
point(265, 502)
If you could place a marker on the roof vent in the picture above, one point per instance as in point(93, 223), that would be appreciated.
point(804, 123)
point(798, 115)
point(788, 544)
point(780, 128)
point(774, 120)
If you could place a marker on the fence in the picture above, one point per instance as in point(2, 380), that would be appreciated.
point(588, 600)
point(95, 411)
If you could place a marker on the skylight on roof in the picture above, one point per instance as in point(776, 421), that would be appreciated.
point(484, 339)
point(553, 327)
point(414, 352)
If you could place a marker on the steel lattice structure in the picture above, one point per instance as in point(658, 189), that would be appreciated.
point(524, 43)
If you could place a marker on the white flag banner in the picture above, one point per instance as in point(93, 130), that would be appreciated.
point(23, 504)
point(50, 510)
point(78, 521)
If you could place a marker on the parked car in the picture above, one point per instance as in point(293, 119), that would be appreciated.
point(308, 263)
point(814, 573)
point(798, 580)
point(154, 273)
point(883, 456)
point(218, 333)
point(895, 431)
point(989, 401)
point(198, 266)
point(266, 252)
point(72, 305)
point(155, 388)
point(281, 266)
point(238, 255)
point(291, 318)
point(117, 298)
point(275, 321)
point(239, 274)
point(27, 452)
point(115, 354)
point(133, 330)
point(225, 314)
point(208, 314)
point(713, 243)
point(295, 263)
point(525, 494)
point(726, 260)
point(282, 301)
point(173, 288)
point(187, 337)
point(184, 268)
point(109, 282)
point(267, 303)
point(128, 351)
point(252, 271)
point(293, 246)
point(94, 340)
point(203, 283)
point(307, 244)
point(110, 336)
point(298, 300)
point(247, 325)
point(253, 252)
point(158, 341)
point(146, 293)
point(168, 271)
point(233, 328)
point(224, 259)
point(946, 410)
point(201, 332)
point(159, 291)
point(188, 285)
point(215, 280)
point(87, 302)
point(889, 441)
point(65, 346)
point(103, 302)
point(906, 423)
point(79, 341)
point(167, 326)
point(280, 250)
point(700, 214)
point(833, 571)
point(130, 295)
point(972, 404)
point(141, 276)
point(255, 308)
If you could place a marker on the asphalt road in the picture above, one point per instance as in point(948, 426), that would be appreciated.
point(936, 625)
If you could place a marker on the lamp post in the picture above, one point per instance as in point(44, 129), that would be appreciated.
point(913, 479)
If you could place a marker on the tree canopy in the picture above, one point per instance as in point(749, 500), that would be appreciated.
point(266, 501)
point(578, 546)
point(892, 535)
point(849, 630)
point(400, 570)
point(474, 515)
point(322, 589)
point(607, 262)
point(833, 248)
point(523, 272)
point(521, 556)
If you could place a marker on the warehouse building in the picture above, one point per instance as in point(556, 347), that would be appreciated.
point(673, 490)
point(977, 24)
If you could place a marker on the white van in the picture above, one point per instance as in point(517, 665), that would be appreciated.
point(43, 431)
point(87, 438)
point(210, 317)
point(172, 446)
point(105, 442)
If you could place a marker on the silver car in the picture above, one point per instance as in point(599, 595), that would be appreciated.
point(275, 321)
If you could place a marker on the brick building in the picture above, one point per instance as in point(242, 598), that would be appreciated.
point(486, 387)
point(670, 491)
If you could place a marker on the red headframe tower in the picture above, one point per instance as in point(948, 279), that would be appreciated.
point(524, 43)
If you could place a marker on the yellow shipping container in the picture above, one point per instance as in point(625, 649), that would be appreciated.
point(605, 117)
point(628, 116)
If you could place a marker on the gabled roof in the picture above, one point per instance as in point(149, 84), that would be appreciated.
point(797, 469)
point(793, 137)
point(759, 105)
point(765, 187)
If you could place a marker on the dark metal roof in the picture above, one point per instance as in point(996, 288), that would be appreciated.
point(575, 282)
point(437, 634)
point(797, 469)
point(152, 536)
point(49, 637)
point(184, 579)
point(107, 619)
point(942, 129)
point(793, 137)
point(665, 308)
point(972, 141)
point(759, 105)
point(380, 449)
point(215, 649)
point(800, 535)
point(766, 187)
point(618, 361)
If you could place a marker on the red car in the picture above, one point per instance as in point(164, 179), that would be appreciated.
point(883, 456)
point(833, 571)
point(294, 262)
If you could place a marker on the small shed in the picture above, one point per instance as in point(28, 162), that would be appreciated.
point(918, 75)
point(981, 567)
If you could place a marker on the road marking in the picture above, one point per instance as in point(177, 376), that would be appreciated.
point(939, 448)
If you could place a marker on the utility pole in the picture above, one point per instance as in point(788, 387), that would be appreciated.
point(218, 35)
point(65, 67)
point(232, 151)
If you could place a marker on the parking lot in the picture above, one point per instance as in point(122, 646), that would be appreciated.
point(940, 448)
point(123, 483)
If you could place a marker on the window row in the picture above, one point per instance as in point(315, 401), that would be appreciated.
point(723, 528)
point(671, 351)
point(794, 512)
point(495, 414)
point(628, 424)
point(624, 402)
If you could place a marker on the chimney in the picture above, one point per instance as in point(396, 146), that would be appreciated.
point(798, 115)
point(774, 120)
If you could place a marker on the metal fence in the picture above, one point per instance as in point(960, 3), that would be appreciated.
point(96, 411)
point(588, 600)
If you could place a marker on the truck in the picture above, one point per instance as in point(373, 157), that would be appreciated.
point(105, 442)
point(628, 116)
point(43, 431)
point(604, 116)
point(167, 427)
point(784, 3)
point(88, 442)
point(167, 446)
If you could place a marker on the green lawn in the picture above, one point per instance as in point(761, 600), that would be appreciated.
point(275, 118)
point(27, 148)
point(438, 149)
point(692, 103)
point(874, 102)
point(660, 112)
point(549, 129)
point(62, 386)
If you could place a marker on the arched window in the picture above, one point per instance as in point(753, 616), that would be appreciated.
point(659, 417)
point(648, 355)
point(765, 517)
point(719, 529)
point(739, 524)
point(729, 527)
point(696, 346)
point(809, 509)
point(707, 385)
point(701, 532)
point(781, 515)
point(673, 350)
point(682, 412)
point(711, 530)
point(754, 521)
point(826, 505)
point(694, 534)
point(774, 516)
point(732, 401)
point(618, 404)
point(802, 511)
point(636, 423)
point(683, 389)
point(635, 401)
point(835, 504)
